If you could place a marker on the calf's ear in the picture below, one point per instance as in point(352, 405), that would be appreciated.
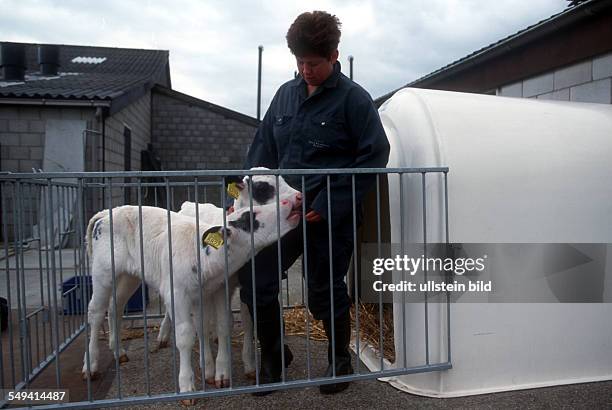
point(243, 183)
point(214, 236)
point(238, 181)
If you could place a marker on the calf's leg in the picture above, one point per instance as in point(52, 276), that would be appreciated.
point(248, 351)
point(206, 357)
point(185, 337)
point(163, 337)
point(126, 286)
point(224, 325)
point(95, 317)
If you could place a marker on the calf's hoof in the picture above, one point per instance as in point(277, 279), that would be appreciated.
point(190, 402)
point(163, 344)
point(124, 358)
point(211, 381)
point(222, 383)
point(93, 376)
point(250, 375)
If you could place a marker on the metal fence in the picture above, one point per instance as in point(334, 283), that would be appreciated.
point(46, 274)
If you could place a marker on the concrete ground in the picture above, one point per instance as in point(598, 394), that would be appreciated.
point(36, 272)
point(362, 394)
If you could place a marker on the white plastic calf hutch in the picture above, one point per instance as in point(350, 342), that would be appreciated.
point(520, 171)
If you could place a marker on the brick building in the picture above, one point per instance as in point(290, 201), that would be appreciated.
point(78, 108)
point(101, 94)
point(565, 57)
point(195, 134)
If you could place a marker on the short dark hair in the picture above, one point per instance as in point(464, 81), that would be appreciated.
point(314, 33)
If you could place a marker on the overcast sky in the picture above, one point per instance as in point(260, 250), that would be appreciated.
point(213, 44)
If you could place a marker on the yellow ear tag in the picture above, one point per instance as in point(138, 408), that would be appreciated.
point(214, 239)
point(233, 190)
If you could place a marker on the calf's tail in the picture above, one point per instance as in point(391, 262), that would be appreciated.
point(90, 226)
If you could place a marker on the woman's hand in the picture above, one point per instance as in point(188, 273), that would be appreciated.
point(313, 216)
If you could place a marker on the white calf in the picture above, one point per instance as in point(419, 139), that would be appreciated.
point(184, 239)
point(263, 189)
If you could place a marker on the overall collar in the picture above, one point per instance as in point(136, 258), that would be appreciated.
point(330, 82)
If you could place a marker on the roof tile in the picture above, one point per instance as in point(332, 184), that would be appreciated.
point(123, 70)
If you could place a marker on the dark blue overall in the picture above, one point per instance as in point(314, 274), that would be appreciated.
point(337, 126)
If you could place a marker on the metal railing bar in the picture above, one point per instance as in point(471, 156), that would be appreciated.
point(403, 251)
point(18, 282)
point(36, 311)
point(60, 214)
point(248, 389)
point(355, 275)
point(171, 272)
point(228, 307)
point(426, 304)
point(253, 283)
point(219, 173)
point(280, 281)
point(8, 283)
point(83, 268)
point(379, 250)
point(305, 270)
point(114, 286)
point(331, 277)
point(143, 289)
point(448, 310)
point(54, 279)
point(202, 337)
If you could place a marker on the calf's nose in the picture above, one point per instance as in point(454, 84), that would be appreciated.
point(298, 201)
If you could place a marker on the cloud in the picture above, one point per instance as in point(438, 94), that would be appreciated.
point(213, 44)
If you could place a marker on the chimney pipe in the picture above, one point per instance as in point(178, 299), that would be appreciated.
point(12, 61)
point(48, 59)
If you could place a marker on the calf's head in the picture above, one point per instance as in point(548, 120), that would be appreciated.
point(263, 190)
point(262, 223)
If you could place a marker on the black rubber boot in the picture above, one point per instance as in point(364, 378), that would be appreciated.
point(342, 326)
point(268, 333)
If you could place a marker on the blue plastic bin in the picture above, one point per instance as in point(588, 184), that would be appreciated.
point(77, 287)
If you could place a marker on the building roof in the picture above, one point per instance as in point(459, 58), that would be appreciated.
point(91, 74)
point(544, 27)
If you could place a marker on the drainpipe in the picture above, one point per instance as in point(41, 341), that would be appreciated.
point(101, 114)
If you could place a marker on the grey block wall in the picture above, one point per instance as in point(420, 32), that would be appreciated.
point(22, 133)
point(22, 140)
point(586, 81)
point(137, 117)
point(190, 137)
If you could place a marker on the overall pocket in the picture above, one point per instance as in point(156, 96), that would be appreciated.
point(282, 128)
